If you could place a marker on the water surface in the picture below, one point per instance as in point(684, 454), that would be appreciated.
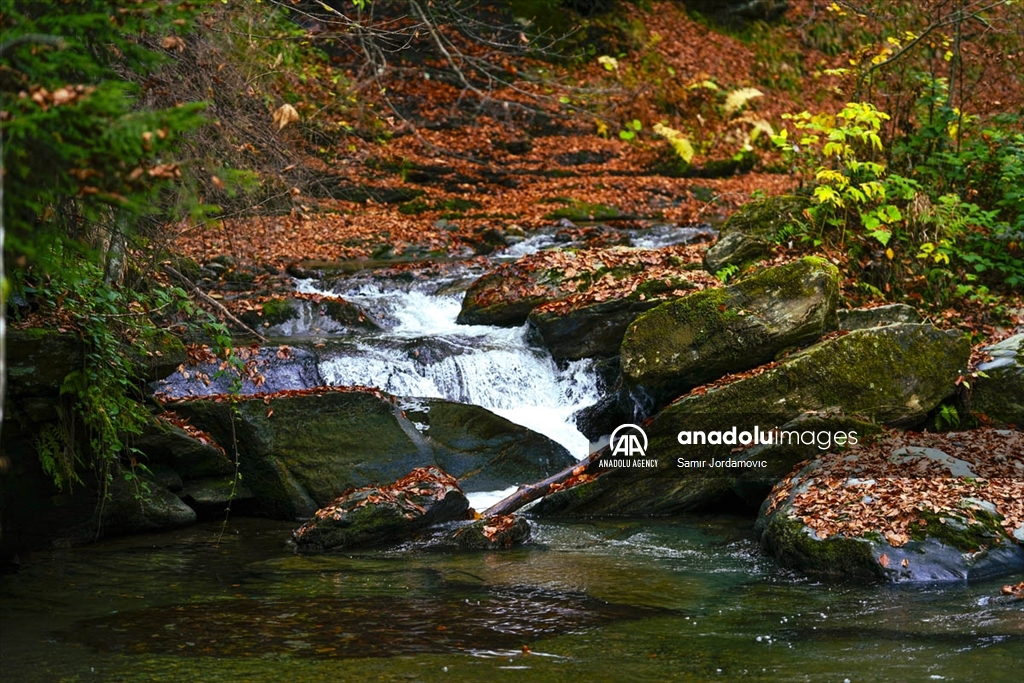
point(689, 599)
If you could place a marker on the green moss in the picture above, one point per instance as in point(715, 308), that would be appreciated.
point(768, 215)
point(414, 208)
point(788, 539)
point(953, 528)
point(277, 311)
point(793, 281)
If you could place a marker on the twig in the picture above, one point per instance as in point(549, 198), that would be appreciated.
point(213, 302)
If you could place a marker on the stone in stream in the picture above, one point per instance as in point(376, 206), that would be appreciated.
point(580, 301)
point(266, 370)
point(904, 512)
point(698, 338)
point(297, 450)
point(378, 515)
point(893, 375)
point(286, 316)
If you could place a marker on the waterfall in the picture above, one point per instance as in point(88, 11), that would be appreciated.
point(422, 352)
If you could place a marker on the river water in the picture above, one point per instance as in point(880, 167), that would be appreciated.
point(642, 600)
point(687, 599)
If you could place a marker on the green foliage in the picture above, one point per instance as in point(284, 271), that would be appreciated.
point(630, 129)
point(727, 273)
point(77, 149)
point(931, 239)
point(85, 163)
point(947, 418)
point(104, 396)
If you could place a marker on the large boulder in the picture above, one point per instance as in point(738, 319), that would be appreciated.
point(909, 508)
point(998, 391)
point(698, 338)
point(375, 515)
point(575, 279)
point(301, 314)
point(891, 375)
point(297, 451)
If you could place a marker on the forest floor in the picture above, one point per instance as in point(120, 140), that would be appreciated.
point(447, 172)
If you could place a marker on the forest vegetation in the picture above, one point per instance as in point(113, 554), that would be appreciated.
point(141, 139)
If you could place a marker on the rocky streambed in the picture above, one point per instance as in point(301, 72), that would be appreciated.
point(507, 371)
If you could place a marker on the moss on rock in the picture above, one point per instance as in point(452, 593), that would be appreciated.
point(700, 337)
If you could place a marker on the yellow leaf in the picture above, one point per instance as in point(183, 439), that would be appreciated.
point(737, 99)
point(284, 115)
point(889, 254)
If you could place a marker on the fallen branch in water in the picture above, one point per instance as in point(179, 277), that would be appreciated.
point(580, 473)
point(213, 302)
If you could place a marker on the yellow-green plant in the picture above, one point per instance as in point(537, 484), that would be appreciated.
point(842, 155)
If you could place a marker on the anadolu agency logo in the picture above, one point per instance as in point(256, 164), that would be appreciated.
point(627, 447)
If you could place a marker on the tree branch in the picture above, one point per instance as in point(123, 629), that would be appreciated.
point(38, 38)
point(213, 302)
point(531, 492)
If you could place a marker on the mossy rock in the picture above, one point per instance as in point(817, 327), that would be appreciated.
point(698, 338)
point(162, 354)
point(749, 233)
point(595, 330)
point(507, 295)
point(137, 504)
point(214, 497)
point(373, 516)
point(488, 533)
point(892, 314)
point(890, 375)
point(999, 394)
point(965, 542)
point(165, 444)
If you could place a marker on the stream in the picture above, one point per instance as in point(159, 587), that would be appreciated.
point(647, 600)
point(691, 598)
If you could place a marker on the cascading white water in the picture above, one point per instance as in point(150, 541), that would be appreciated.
point(424, 353)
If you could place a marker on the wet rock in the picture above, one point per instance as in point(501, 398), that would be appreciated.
point(372, 515)
point(506, 295)
point(698, 338)
point(890, 375)
point(298, 451)
point(595, 330)
point(213, 497)
point(264, 370)
point(862, 318)
point(170, 446)
point(161, 355)
point(999, 395)
point(293, 316)
point(484, 451)
point(749, 233)
point(138, 504)
point(957, 536)
point(489, 533)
